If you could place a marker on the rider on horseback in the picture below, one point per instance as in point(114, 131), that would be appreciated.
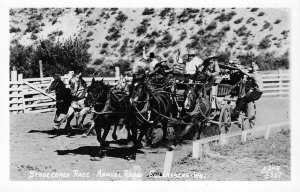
point(78, 90)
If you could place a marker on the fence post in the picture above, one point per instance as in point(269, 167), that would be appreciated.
point(41, 69)
point(117, 74)
point(21, 99)
point(267, 132)
point(14, 100)
point(168, 162)
point(222, 140)
point(197, 149)
point(244, 136)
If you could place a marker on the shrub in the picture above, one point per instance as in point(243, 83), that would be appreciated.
point(261, 14)
point(285, 34)
point(98, 61)
point(199, 22)
point(78, 11)
point(166, 40)
point(225, 17)
point(123, 48)
point(59, 57)
point(115, 45)
point(183, 35)
point(225, 28)
point(138, 49)
point(254, 24)
point(33, 26)
point(91, 22)
point(88, 13)
point(36, 17)
point(265, 43)
point(164, 12)
point(90, 33)
point(231, 44)
point(121, 17)
point(172, 18)
point(266, 25)
point(142, 29)
point(277, 21)
point(14, 29)
point(148, 11)
point(242, 31)
point(201, 31)
point(250, 20)
point(238, 21)
point(114, 32)
point(33, 36)
point(249, 47)
point(254, 9)
point(212, 26)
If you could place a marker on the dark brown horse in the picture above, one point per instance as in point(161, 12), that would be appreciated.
point(151, 108)
point(63, 101)
point(195, 110)
point(109, 108)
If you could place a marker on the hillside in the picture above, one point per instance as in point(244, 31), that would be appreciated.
point(121, 33)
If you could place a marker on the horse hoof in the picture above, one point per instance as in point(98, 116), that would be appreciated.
point(84, 135)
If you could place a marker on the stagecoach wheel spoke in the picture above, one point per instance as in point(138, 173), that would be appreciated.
point(224, 119)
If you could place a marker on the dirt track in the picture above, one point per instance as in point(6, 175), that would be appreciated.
point(34, 149)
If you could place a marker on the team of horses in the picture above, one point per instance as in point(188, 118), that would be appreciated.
point(139, 106)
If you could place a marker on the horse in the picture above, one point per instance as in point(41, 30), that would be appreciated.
point(195, 110)
point(150, 107)
point(63, 103)
point(109, 108)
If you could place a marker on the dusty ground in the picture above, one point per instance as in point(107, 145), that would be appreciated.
point(34, 149)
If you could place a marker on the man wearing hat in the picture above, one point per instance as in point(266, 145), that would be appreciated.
point(151, 58)
point(211, 69)
point(193, 63)
point(253, 92)
point(78, 91)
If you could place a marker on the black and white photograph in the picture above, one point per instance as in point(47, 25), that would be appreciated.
point(145, 93)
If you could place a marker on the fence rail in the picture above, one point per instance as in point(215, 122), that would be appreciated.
point(28, 95)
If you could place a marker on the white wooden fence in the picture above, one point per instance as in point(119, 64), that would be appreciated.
point(29, 96)
point(275, 84)
point(200, 147)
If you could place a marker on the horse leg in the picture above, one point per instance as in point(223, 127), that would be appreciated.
point(68, 127)
point(103, 138)
point(165, 129)
point(114, 134)
point(87, 132)
point(83, 114)
point(56, 123)
point(179, 138)
point(138, 142)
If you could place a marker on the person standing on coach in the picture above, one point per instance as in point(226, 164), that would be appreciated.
point(151, 58)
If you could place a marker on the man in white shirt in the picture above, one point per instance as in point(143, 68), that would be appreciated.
point(193, 62)
point(151, 58)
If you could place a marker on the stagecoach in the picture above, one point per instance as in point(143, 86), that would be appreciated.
point(222, 100)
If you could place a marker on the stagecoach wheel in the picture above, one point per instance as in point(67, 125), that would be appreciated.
point(224, 119)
